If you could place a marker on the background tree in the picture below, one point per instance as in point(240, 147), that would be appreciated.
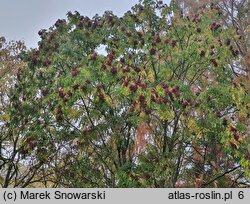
point(18, 167)
point(233, 14)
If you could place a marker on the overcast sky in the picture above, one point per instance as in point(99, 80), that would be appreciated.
point(22, 19)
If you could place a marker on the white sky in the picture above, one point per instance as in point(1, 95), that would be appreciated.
point(22, 19)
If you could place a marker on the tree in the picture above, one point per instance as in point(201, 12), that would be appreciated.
point(17, 167)
point(145, 100)
point(231, 15)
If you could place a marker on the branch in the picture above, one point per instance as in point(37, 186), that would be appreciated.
point(227, 172)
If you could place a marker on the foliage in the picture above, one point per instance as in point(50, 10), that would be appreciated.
point(145, 100)
point(17, 168)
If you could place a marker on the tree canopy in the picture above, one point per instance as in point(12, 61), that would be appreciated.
point(149, 99)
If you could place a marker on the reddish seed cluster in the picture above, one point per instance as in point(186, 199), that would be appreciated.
point(60, 22)
point(142, 85)
point(58, 113)
point(209, 98)
point(64, 95)
point(132, 106)
point(224, 122)
point(152, 51)
point(129, 34)
point(84, 88)
point(174, 91)
point(74, 72)
point(164, 85)
point(31, 142)
point(214, 62)
point(93, 56)
point(69, 94)
point(61, 93)
point(220, 42)
point(215, 26)
point(147, 111)
point(167, 41)
point(198, 30)
point(123, 29)
point(142, 98)
point(126, 69)
point(202, 53)
point(76, 86)
point(133, 87)
point(41, 32)
point(113, 70)
point(175, 88)
point(195, 18)
point(177, 93)
point(212, 52)
point(111, 21)
point(153, 98)
point(88, 81)
point(233, 145)
point(51, 36)
point(170, 92)
point(125, 83)
point(197, 92)
point(137, 69)
point(158, 39)
point(47, 62)
point(233, 130)
point(109, 62)
point(235, 53)
point(101, 97)
point(122, 60)
point(185, 104)
point(110, 56)
point(139, 34)
point(173, 43)
point(142, 105)
point(218, 114)
point(45, 92)
point(104, 67)
point(59, 110)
